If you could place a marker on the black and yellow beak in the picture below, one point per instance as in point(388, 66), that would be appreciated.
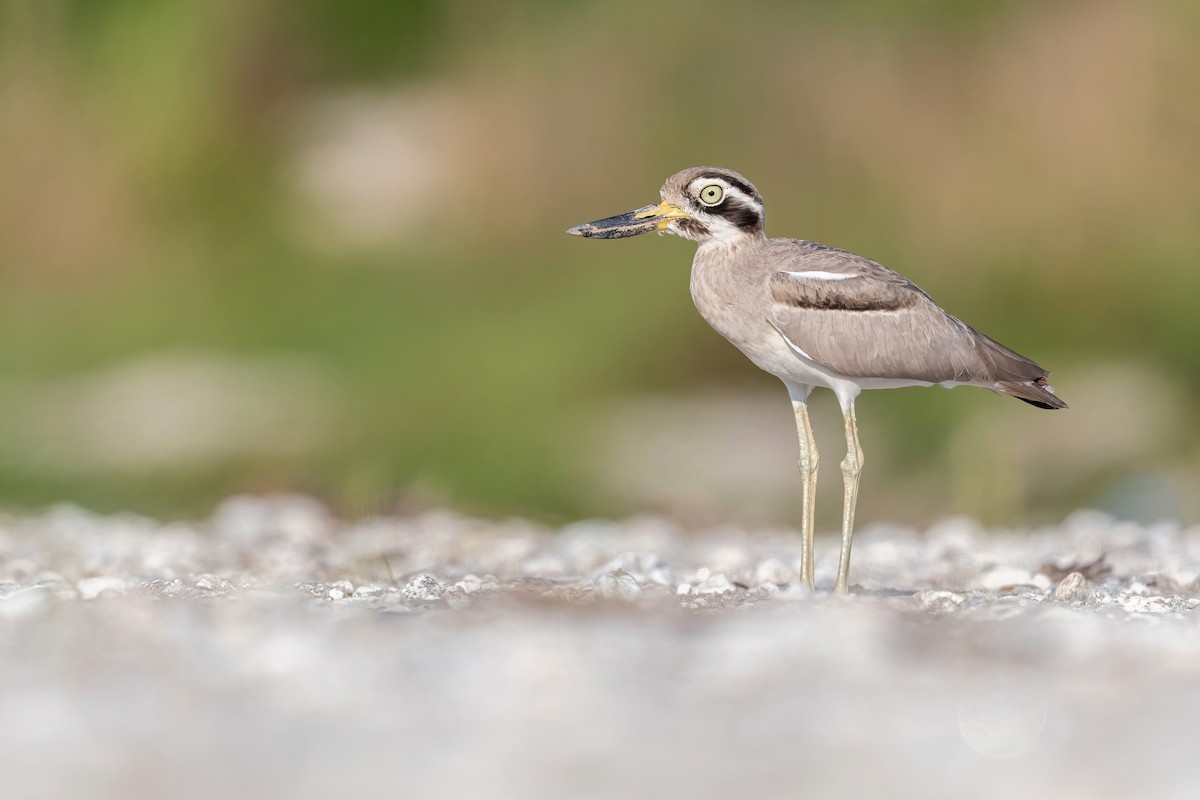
point(634, 223)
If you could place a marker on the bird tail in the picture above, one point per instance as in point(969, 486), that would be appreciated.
point(1036, 392)
point(1016, 375)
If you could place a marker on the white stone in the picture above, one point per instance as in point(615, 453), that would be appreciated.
point(618, 585)
point(940, 602)
point(422, 589)
point(470, 583)
point(91, 588)
point(456, 597)
point(1145, 605)
point(716, 584)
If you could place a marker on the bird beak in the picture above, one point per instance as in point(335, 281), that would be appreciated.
point(634, 223)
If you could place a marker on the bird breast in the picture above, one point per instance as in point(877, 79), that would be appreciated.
point(725, 294)
point(731, 292)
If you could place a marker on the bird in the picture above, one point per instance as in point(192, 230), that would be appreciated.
point(817, 316)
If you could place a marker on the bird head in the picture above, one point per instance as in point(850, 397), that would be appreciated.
point(704, 204)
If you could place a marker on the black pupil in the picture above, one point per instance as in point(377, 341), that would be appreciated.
point(710, 194)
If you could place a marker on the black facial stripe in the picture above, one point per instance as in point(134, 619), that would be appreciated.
point(738, 213)
point(744, 188)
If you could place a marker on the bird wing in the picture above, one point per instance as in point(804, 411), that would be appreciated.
point(860, 319)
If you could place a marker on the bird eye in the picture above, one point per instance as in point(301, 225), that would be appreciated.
point(711, 195)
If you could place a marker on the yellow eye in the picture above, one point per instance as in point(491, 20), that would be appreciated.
point(712, 195)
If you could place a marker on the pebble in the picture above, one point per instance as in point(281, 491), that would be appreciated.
point(164, 588)
point(940, 602)
point(456, 597)
point(253, 549)
point(1073, 589)
point(618, 584)
point(1140, 604)
point(422, 589)
point(715, 584)
point(212, 585)
point(470, 583)
point(91, 588)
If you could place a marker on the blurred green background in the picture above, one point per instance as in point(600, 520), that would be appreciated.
point(316, 245)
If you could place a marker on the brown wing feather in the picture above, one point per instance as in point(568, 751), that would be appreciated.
point(874, 323)
point(861, 330)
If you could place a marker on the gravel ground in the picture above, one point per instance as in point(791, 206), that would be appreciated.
point(269, 651)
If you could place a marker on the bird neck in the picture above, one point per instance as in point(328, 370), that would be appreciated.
point(731, 240)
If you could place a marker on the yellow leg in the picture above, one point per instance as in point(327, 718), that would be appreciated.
point(809, 460)
point(851, 470)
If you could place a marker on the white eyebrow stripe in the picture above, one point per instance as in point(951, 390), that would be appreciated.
point(818, 275)
point(729, 189)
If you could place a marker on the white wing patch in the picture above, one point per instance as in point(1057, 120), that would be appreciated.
point(818, 275)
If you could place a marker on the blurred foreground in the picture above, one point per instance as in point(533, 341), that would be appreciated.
point(273, 651)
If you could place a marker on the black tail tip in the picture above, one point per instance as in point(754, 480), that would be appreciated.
point(1035, 392)
point(1057, 404)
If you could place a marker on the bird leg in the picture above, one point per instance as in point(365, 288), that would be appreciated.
point(809, 459)
point(851, 470)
